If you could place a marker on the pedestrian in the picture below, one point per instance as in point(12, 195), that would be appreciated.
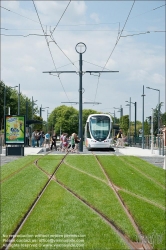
point(33, 138)
point(47, 140)
point(53, 141)
point(65, 142)
point(38, 136)
point(77, 141)
point(61, 141)
point(27, 138)
point(72, 142)
point(42, 137)
point(119, 138)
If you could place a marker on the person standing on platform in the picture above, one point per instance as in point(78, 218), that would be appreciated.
point(53, 141)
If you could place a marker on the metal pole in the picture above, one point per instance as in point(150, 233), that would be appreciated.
point(130, 121)
point(159, 139)
point(143, 118)
point(4, 105)
point(152, 133)
point(41, 111)
point(19, 99)
point(80, 107)
point(135, 133)
point(32, 107)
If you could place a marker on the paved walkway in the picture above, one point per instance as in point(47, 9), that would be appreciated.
point(145, 154)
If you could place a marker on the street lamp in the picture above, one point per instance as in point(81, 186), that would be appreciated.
point(42, 109)
point(143, 95)
point(158, 111)
point(135, 104)
point(120, 110)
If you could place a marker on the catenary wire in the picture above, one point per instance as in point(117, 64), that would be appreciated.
point(50, 50)
point(119, 36)
point(85, 23)
point(115, 45)
point(61, 17)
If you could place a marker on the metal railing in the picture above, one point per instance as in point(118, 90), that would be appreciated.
point(158, 143)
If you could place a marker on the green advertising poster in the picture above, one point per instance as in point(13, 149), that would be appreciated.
point(15, 130)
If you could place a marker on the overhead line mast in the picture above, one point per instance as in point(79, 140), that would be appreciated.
point(80, 49)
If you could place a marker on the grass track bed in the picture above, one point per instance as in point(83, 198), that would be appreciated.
point(85, 163)
point(60, 213)
point(158, 174)
point(150, 219)
point(126, 177)
point(49, 163)
point(98, 194)
point(17, 194)
point(14, 166)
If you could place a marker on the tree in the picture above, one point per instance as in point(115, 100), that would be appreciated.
point(12, 102)
point(124, 124)
point(155, 118)
point(38, 126)
point(66, 119)
point(63, 119)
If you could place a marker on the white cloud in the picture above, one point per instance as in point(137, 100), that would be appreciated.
point(95, 17)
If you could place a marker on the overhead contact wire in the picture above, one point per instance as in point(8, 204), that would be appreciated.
point(60, 17)
point(119, 36)
point(50, 50)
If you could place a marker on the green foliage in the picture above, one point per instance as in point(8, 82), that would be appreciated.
point(124, 124)
point(146, 128)
point(163, 119)
point(12, 102)
point(66, 119)
point(157, 111)
point(37, 126)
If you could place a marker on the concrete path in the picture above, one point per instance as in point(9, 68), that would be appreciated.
point(145, 154)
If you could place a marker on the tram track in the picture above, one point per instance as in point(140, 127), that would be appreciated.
point(132, 245)
point(15, 232)
point(145, 246)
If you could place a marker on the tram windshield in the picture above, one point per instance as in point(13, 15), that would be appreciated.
point(99, 127)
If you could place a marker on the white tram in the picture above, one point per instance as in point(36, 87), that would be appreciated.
point(98, 130)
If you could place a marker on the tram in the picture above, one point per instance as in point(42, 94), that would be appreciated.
point(98, 131)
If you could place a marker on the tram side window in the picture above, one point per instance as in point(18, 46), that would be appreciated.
point(88, 132)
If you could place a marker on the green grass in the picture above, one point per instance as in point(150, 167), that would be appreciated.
point(14, 166)
point(98, 194)
point(156, 173)
point(126, 177)
point(86, 163)
point(150, 219)
point(17, 194)
point(49, 162)
point(60, 213)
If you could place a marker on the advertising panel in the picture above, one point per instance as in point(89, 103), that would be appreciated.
point(14, 129)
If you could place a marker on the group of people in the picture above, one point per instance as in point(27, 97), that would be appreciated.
point(38, 138)
point(69, 144)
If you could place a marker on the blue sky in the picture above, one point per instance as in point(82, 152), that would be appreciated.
point(140, 59)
